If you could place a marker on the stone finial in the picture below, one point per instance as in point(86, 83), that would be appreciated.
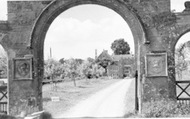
point(187, 4)
point(187, 7)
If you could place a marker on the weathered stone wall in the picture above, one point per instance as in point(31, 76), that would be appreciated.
point(157, 19)
point(154, 27)
point(21, 17)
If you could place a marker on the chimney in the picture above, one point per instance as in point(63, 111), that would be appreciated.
point(96, 54)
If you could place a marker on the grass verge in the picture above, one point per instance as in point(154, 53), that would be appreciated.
point(162, 108)
point(71, 95)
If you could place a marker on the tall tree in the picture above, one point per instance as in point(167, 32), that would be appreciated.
point(120, 47)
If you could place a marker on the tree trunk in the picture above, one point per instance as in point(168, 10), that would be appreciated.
point(106, 71)
point(74, 81)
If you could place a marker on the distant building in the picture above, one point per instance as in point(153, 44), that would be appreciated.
point(120, 66)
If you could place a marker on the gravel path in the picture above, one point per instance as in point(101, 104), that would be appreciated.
point(109, 102)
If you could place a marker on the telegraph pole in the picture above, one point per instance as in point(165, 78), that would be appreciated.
point(50, 53)
point(96, 54)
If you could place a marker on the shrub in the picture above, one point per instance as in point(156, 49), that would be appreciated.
point(164, 108)
point(4, 116)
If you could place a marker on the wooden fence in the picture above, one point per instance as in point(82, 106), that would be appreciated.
point(183, 97)
point(3, 99)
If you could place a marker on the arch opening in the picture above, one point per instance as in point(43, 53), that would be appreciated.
point(90, 29)
point(182, 69)
point(182, 57)
point(55, 8)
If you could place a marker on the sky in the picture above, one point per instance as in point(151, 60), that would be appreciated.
point(80, 30)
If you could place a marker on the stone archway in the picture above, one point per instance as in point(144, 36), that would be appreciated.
point(55, 8)
point(180, 51)
point(155, 29)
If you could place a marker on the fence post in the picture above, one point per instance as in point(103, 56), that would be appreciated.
point(136, 92)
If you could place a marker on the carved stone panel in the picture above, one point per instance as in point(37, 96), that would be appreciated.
point(23, 68)
point(156, 65)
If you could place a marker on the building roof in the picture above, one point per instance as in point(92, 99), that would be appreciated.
point(104, 55)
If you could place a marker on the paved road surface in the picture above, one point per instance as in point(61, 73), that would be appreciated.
point(109, 102)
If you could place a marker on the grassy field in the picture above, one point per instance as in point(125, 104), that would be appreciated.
point(70, 95)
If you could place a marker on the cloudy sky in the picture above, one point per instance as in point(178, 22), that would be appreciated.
point(80, 30)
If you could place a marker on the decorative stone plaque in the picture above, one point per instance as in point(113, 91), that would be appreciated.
point(22, 68)
point(156, 64)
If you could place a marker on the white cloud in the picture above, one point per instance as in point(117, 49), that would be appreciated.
point(73, 37)
point(70, 37)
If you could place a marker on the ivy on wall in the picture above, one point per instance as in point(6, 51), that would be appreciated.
point(164, 19)
point(150, 14)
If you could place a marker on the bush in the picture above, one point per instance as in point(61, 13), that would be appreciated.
point(4, 116)
point(164, 108)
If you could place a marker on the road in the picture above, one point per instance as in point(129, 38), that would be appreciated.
point(109, 102)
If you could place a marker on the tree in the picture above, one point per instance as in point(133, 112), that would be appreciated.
point(97, 71)
point(89, 70)
point(181, 63)
point(79, 61)
point(86, 69)
point(104, 59)
point(120, 47)
point(89, 59)
point(62, 60)
point(3, 65)
point(72, 71)
point(53, 69)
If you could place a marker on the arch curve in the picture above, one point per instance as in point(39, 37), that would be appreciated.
point(56, 7)
point(178, 38)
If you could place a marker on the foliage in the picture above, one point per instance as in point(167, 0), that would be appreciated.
point(91, 70)
point(104, 59)
point(120, 46)
point(91, 60)
point(45, 115)
point(181, 64)
point(3, 65)
point(86, 69)
point(71, 69)
point(104, 63)
point(4, 116)
point(53, 69)
point(62, 60)
point(164, 19)
point(79, 61)
point(97, 71)
point(164, 108)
